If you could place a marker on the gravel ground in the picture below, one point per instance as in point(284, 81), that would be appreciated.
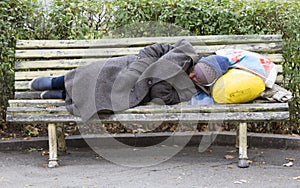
point(82, 167)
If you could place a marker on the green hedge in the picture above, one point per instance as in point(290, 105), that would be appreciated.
point(203, 17)
point(77, 19)
point(11, 22)
point(216, 17)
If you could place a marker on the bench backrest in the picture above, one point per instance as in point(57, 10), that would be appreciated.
point(56, 57)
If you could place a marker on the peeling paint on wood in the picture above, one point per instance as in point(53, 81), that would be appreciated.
point(125, 42)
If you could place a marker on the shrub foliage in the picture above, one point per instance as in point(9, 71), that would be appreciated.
point(11, 26)
point(90, 19)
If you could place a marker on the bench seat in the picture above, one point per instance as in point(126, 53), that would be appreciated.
point(39, 111)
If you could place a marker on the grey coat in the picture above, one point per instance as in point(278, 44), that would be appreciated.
point(159, 73)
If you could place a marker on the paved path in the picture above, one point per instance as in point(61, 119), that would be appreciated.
point(83, 168)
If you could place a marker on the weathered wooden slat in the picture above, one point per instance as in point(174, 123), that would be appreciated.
point(38, 110)
point(31, 75)
point(183, 107)
point(196, 117)
point(27, 95)
point(36, 103)
point(23, 85)
point(40, 105)
point(125, 42)
point(181, 117)
point(279, 68)
point(76, 53)
point(73, 63)
point(259, 47)
point(279, 79)
point(109, 52)
point(56, 64)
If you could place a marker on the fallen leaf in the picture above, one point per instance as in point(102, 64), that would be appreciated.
point(179, 178)
point(238, 182)
point(209, 150)
point(34, 149)
point(31, 149)
point(231, 151)
point(229, 157)
point(290, 159)
point(294, 135)
point(26, 138)
point(229, 166)
point(241, 182)
point(31, 130)
point(5, 139)
point(45, 153)
point(2, 179)
point(296, 178)
point(289, 164)
point(249, 162)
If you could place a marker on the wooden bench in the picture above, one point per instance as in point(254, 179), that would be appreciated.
point(56, 57)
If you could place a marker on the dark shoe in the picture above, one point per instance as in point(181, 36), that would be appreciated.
point(52, 94)
point(41, 83)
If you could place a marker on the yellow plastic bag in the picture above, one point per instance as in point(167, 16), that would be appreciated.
point(237, 86)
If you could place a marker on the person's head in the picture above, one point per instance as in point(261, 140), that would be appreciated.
point(208, 69)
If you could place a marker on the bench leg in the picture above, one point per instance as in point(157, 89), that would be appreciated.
point(243, 158)
point(61, 139)
point(53, 161)
point(237, 142)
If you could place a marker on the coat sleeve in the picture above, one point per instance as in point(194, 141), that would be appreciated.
point(155, 51)
point(148, 56)
point(164, 93)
